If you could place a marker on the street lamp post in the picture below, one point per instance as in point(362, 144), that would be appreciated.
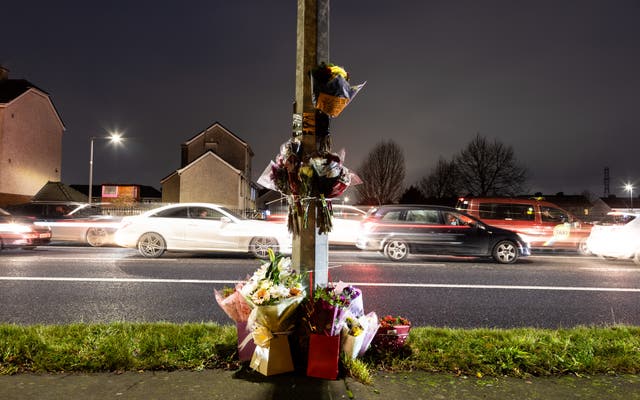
point(114, 137)
point(629, 188)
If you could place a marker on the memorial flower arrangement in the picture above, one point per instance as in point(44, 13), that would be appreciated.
point(314, 180)
point(273, 292)
point(235, 306)
point(392, 333)
point(332, 91)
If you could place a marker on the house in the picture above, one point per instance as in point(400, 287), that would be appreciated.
point(215, 168)
point(121, 193)
point(30, 139)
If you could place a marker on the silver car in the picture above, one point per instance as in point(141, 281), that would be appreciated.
point(200, 227)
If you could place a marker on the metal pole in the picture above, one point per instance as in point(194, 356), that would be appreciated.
point(90, 191)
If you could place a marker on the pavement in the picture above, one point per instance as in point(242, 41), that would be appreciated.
point(247, 384)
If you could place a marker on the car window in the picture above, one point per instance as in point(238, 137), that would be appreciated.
point(551, 214)
point(518, 212)
point(393, 215)
point(423, 216)
point(205, 213)
point(180, 212)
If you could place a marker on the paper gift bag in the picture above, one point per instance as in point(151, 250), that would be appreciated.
point(273, 359)
point(244, 353)
point(323, 356)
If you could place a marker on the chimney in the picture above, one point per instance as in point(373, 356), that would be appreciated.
point(4, 73)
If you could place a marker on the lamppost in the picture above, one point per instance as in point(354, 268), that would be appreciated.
point(629, 188)
point(114, 137)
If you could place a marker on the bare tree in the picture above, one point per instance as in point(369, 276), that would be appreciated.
point(441, 182)
point(489, 169)
point(382, 174)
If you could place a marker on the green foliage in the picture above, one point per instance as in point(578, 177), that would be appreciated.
point(165, 346)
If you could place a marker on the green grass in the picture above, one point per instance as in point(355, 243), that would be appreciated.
point(165, 346)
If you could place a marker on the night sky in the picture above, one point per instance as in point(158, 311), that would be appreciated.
point(557, 80)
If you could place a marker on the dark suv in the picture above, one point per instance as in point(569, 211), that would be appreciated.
point(398, 230)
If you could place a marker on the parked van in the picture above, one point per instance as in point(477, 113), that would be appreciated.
point(541, 223)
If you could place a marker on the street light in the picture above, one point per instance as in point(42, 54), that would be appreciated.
point(114, 137)
point(629, 188)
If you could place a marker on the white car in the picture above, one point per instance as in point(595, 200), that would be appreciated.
point(200, 227)
point(346, 224)
point(617, 238)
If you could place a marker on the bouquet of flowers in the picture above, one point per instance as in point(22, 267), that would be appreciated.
point(234, 305)
point(329, 308)
point(274, 292)
point(392, 333)
point(313, 180)
point(332, 91)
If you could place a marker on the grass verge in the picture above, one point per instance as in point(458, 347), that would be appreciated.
point(165, 346)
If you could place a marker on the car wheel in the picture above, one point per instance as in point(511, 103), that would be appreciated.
point(96, 237)
point(505, 252)
point(259, 247)
point(151, 245)
point(396, 250)
point(583, 249)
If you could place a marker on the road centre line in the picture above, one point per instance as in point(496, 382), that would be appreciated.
point(361, 284)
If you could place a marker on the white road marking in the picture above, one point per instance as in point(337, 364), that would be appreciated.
point(362, 284)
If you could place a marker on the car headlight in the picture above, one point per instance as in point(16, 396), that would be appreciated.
point(19, 228)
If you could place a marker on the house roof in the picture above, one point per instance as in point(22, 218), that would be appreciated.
point(226, 130)
point(11, 89)
point(208, 153)
point(58, 191)
point(620, 202)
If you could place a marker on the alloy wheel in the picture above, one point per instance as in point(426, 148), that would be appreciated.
point(259, 247)
point(505, 252)
point(396, 250)
point(151, 245)
point(96, 237)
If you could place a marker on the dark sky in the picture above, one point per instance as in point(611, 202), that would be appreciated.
point(557, 80)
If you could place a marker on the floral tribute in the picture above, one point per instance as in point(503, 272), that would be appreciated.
point(304, 181)
point(234, 305)
point(273, 293)
point(392, 334)
point(335, 320)
point(332, 91)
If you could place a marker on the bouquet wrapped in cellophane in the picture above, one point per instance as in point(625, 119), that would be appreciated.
point(274, 292)
point(357, 334)
point(306, 182)
point(235, 306)
point(332, 91)
point(233, 303)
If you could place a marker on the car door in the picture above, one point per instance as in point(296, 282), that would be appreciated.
point(208, 229)
point(464, 237)
point(424, 230)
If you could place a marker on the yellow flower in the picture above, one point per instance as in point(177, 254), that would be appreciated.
point(335, 70)
point(306, 171)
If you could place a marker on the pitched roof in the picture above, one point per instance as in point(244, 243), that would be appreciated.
point(58, 191)
point(10, 89)
point(233, 135)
